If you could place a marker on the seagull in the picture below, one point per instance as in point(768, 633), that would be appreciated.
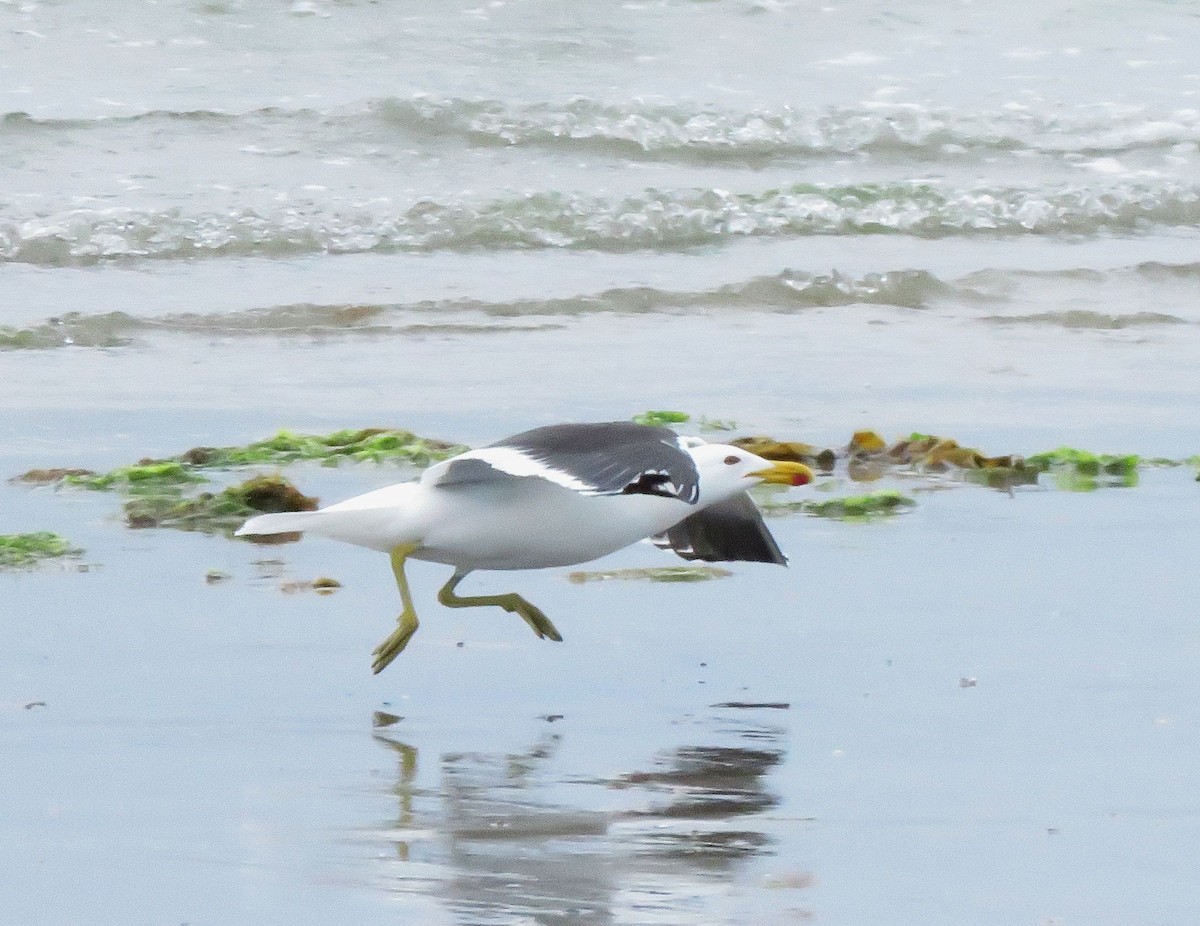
point(554, 496)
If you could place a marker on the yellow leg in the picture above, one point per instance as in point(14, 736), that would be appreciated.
point(390, 648)
point(511, 602)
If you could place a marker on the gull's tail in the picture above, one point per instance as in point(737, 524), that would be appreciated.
point(287, 522)
point(379, 520)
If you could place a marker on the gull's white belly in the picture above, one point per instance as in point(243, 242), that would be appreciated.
point(532, 524)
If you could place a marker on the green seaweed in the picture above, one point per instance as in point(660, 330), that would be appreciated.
point(861, 507)
point(847, 508)
point(17, 550)
point(145, 475)
point(1084, 461)
point(653, 574)
point(1082, 471)
point(1072, 480)
point(662, 417)
point(158, 493)
point(376, 445)
point(218, 512)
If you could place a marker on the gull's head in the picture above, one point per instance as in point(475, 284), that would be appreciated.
point(726, 470)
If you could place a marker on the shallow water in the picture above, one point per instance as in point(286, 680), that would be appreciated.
point(988, 701)
point(222, 218)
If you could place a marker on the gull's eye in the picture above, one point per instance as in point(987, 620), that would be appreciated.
point(731, 459)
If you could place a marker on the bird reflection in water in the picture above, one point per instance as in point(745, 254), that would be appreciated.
point(495, 839)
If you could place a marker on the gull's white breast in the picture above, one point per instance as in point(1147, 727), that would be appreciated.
point(533, 524)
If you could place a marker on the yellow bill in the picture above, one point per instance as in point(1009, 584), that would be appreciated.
point(784, 472)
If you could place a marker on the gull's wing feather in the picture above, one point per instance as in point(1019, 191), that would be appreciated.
point(611, 458)
point(728, 531)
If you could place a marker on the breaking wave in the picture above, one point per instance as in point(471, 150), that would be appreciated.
point(787, 291)
point(1088, 319)
point(680, 132)
point(689, 133)
point(663, 220)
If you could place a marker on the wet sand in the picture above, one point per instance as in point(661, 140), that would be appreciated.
point(989, 700)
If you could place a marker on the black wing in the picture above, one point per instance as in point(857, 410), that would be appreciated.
point(613, 457)
point(731, 530)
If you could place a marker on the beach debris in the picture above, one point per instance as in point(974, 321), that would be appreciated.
point(21, 550)
point(50, 476)
point(322, 585)
point(211, 512)
point(866, 443)
point(754, 705)
point(822, 460)
point(654, 574)
point(869, 457)
point(790, 881)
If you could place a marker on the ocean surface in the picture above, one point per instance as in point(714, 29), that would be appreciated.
point(980, 220)
point(360, 200)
